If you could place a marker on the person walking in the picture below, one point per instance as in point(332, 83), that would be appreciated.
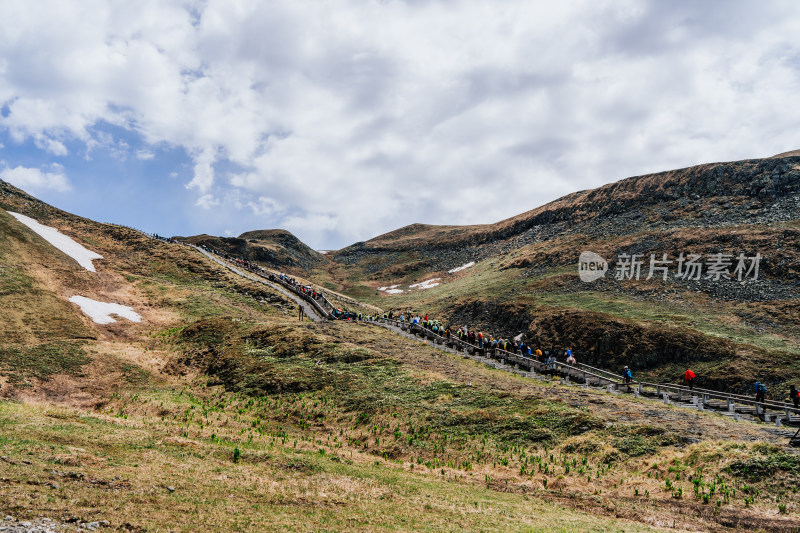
point(300, 312)
point(794, 395)
point(761, 391)
point(688, 377)
point(627, 376)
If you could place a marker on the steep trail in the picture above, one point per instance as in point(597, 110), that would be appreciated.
point(309, 310)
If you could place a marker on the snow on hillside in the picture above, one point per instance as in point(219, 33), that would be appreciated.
point(427, 284)
point(76, 251)
point(101, 312)
point(391, 290)
point(462, 267)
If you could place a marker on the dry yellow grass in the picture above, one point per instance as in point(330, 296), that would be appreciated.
point(62, 463)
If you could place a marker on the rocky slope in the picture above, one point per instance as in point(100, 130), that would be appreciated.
point(734, 328)
point(719, 195)
point(273, 248)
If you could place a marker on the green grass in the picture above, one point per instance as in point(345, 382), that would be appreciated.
point(279, 360)
point(135, 374)
point(206, 298)
point(707, 320)
point(767, 466)
point(121, 471)
point(31, 313)
point(22, 363)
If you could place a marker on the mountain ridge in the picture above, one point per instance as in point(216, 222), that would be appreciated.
point(222, 395)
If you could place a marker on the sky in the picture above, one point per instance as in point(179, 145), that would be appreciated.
point(340, 120)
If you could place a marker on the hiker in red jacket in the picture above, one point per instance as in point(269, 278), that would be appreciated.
point(688, 377)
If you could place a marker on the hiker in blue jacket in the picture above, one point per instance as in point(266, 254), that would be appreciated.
point(761, 391)
point(627, 377)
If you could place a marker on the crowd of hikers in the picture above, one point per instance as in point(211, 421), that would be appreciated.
point(304, 290)
point(483, 342)
point(162, 239)
point(489, 344)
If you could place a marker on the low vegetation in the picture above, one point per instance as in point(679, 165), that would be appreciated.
point(221, 411)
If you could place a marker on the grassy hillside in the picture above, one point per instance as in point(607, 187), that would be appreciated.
point(526, 279)
point(220, 410)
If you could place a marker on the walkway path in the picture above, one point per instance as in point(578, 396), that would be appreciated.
point(732, 405)
point(310, 311)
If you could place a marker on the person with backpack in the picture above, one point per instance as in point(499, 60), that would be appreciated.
point(794, 395)
point(571, 358)
point(551, 361)
point(627, 377)
point(761, 391)
point(688, 377)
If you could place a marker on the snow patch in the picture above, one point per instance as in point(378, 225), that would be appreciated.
point(62, 242)
point(101, 312)
point(462, 267)
point(391, 290)
point(427, 284)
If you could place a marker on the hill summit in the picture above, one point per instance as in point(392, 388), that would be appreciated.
point(274, 247)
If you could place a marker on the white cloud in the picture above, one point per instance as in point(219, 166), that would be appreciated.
point(52, 146)
point(265, 206)
point(356, 117)
point(207, 201)
point(203, 170)
point(145, 155)
point(34, 179)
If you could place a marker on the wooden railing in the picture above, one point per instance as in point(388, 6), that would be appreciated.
point(734, 404)
point(780, 412)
